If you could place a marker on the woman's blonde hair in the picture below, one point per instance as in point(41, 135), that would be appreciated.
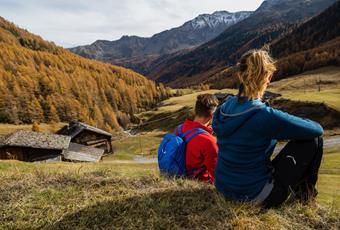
point(255, 67)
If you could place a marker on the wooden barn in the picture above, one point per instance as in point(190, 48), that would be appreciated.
point(33, 146)
point(84, 134)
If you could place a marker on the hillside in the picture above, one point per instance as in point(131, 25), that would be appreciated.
point(269, 22)
point(310, 34)
point(314, 44)
point(41, 82)
point(136, 52)
point(311, 45)
point(135, 196)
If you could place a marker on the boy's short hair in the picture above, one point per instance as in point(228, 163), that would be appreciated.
point(205, 105)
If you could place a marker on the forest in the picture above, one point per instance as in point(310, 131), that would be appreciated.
point(41, 82)
point(303, 47)
point(313, 44)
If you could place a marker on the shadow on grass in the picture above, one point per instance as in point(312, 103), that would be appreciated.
point(161, 210)
point(138, 207)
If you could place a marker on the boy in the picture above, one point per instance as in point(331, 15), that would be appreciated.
point(201, 151)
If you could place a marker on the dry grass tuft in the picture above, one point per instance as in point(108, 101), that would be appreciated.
point(110, 196)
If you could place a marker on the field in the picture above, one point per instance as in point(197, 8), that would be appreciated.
point(9, 128)
point(176, 103)
point(143, 145)
point(328, 96)
point(305, 87)
point(130, 196)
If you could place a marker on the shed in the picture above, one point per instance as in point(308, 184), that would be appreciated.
point(85, 134)
point(77, 152)
point(33, 146)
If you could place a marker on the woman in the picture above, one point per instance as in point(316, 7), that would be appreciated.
point(247, 131)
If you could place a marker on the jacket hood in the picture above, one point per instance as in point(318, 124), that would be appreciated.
point(231, 115)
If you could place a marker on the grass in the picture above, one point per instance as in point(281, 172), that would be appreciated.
point(113, 196)
point(176, 103)
point(9, 128)
point(173, 112)
point(143, 144)
point(329, 180)
point(304, 87)
point(329, 77)
point(331, 97)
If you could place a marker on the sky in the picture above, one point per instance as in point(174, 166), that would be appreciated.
point(70, 23)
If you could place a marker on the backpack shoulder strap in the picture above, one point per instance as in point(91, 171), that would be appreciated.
point(179, 130)
point(194, 132)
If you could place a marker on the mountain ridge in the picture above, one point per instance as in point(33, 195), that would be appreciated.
point(190, 34)
point(270, 21)
point(308, 46)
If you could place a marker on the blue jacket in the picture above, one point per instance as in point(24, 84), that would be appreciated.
point(246, 136)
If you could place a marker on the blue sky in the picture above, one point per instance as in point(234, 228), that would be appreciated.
point(77, 22)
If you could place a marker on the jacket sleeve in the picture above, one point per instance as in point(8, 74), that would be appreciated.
point(283, 126)
point(210, 157)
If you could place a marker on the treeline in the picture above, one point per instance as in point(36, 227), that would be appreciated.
point(313, 33)
point(325, 55)
point(314, 44)
point(41, 82)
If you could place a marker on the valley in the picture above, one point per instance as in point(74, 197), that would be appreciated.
point(125, 95)
point(175, 110)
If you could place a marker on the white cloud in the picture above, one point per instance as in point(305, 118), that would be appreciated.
point(78, 22)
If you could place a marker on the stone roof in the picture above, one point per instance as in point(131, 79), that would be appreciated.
point(1, 140)
point(77, 152)
point(36, 140)
point(74, 128)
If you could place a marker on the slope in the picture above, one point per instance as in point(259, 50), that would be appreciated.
point(314, 44)
point(129, 196)
point(136, 52)
point(311, 45)
point(41, 82)
point(270, 21)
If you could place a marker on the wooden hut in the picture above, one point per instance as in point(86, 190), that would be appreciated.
point(33, 146)
point(82, 153)
point(84, 134)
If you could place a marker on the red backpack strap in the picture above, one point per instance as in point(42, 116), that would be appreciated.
point(193, 132)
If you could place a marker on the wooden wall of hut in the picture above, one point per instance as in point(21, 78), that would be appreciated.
point(30, 154)
point(12, 153)
point(96, 140)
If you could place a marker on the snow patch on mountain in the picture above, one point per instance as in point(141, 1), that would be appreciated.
point(217, 18)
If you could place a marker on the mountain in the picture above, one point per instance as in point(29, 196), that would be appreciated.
point(134, 52)
point(273, 19)
point(313, 44)
point(41, 82)
point(308, 46)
